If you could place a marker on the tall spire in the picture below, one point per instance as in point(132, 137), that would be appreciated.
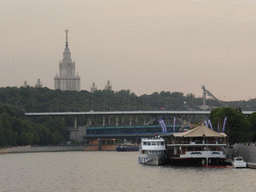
point(66, 53)
point(66, 38)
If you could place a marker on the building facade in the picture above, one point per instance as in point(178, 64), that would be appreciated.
point(93, 87)
point(67, 80)
point(38, 84)
point(108, 86)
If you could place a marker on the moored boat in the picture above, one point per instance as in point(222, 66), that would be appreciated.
point(238, 162)
point(123, 148)
point(152, 151)
point(200, 146)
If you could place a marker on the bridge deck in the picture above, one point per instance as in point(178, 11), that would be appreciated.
point(124, 113)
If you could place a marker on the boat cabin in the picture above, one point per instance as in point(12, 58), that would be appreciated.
point(195, 141)
point(153, 145)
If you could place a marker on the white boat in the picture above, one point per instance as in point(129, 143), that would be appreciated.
point(200, 146)
point(238, 162)
point(152, 151)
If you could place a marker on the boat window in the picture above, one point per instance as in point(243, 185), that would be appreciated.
point(153, 143)
point(149, 143)
point(144, 143)
point(162, 143)
point(158, 143)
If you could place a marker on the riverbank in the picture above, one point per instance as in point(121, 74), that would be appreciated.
point(36, 149)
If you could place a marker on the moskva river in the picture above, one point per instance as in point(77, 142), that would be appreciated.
point(113, 171)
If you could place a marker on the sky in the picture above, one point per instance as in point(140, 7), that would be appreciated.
point(145, 46)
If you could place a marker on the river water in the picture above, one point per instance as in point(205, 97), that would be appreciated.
point(112, 171)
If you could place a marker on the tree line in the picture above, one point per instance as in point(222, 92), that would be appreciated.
point(16, 129)
point(31, 99)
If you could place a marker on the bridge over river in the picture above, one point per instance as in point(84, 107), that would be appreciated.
point(114, 123)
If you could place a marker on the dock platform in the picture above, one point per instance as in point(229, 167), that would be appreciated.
point(251, 165)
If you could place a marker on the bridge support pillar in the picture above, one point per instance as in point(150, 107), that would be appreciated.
point(75, 124)
point(89, 121)
point(130, 120)
point(117, 119)
point(104, 121)
point(144, 120)
point(109, 119)
point(136, 119)
point(123, 119)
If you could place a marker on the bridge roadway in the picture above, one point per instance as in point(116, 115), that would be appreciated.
point(124, 113)
point(118, 113)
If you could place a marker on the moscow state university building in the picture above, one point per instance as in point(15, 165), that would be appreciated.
point(67, 79)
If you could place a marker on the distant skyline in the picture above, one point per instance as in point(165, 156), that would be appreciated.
point(145, 46)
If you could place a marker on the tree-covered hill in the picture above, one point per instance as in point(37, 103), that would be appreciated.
point(15, 129)
point(31, 99)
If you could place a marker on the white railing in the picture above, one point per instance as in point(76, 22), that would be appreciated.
point(203, 154)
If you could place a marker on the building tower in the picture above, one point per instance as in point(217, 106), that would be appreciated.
point(38, 84)
point(93, 87)
point(67, 80)
point(108, 86)
point(25, 84)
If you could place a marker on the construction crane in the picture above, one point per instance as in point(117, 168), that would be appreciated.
point(205, 91)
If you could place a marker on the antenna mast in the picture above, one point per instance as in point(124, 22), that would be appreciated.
point(66, 38)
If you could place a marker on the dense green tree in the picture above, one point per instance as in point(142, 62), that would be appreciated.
point(238, 127)
point(17, 130)
point(252, 119)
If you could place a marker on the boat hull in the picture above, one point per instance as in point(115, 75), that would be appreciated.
point(239, 163)
point(198, 162)
point(152, 159)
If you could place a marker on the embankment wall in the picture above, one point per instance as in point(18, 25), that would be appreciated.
point(247, 152)
point(33, 149)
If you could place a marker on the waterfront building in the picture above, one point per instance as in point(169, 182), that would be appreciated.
point(38, 84)
point(108, 86)
point(67, 80)
point(93, 87)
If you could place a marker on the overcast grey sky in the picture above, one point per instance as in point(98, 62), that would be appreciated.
point(145, 46)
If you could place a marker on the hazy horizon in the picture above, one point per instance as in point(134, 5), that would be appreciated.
point(145, 46)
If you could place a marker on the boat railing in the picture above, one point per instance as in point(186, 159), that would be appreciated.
point(198, 142)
